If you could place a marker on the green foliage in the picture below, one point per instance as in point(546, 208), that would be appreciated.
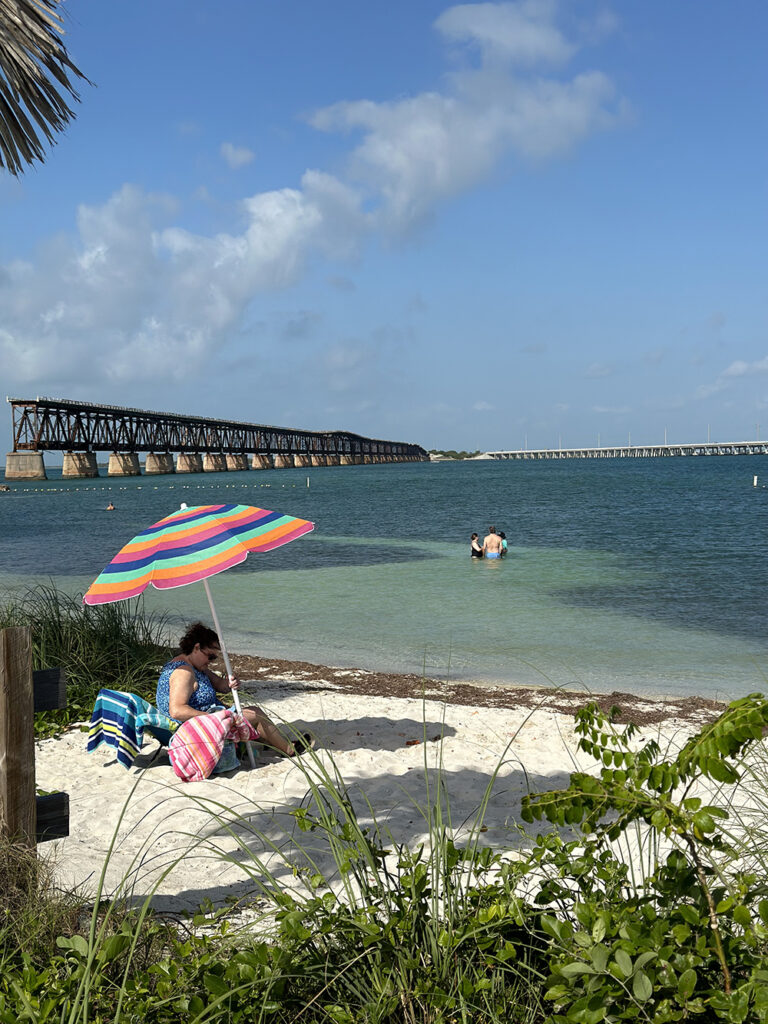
point(568, 933)
point(691, 941)
point(642, 785)
point(430, 937)
point(32, 911)
point(111, 645)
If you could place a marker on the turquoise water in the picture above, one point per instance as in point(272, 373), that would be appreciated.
point(643, 575)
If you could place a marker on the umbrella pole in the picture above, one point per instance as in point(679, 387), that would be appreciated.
point(227, 665)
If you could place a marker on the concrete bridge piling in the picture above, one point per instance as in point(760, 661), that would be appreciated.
point(161, 462)
point(123, 464)
point(25, 466)
point(214, 462)
point(79, 465)
point(189, 462)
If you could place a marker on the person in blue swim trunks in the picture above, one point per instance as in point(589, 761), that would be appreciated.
point(492, 544)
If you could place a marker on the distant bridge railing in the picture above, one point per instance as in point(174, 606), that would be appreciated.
point(640, 451)
point(80, 430)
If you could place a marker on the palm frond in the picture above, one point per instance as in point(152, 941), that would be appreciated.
point(36, 75)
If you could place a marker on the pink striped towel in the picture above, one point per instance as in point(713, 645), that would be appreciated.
point(196, 746)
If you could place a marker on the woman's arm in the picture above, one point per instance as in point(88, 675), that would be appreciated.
point(220, 683)
point(181, 686)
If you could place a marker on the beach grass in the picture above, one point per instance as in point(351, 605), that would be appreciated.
point(367, 929)
point(639, 894)
point(119, 646)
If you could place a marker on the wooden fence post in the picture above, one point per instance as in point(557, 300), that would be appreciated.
point(17, 736)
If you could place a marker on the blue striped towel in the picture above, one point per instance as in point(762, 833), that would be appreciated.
point(120, 719)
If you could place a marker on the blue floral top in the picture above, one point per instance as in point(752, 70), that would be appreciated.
point(204, 697)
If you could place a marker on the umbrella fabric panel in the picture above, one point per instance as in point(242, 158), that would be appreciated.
point(191, 526)
point(190, 545)
point(113, 587)
point(208, 544)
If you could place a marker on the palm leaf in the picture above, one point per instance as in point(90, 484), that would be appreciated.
point(35, 77)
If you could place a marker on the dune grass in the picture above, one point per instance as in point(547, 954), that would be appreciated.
point(119, 646)
point(372, 931)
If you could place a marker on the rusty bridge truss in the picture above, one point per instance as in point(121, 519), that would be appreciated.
point(49, 424)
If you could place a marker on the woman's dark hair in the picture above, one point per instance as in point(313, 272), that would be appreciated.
point(197, 633)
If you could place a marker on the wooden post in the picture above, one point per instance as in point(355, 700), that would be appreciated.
point(17, 736)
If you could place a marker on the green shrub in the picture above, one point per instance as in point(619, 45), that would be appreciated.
point(688, 941)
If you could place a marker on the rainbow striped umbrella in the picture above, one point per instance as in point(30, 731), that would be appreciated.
point(190, 545)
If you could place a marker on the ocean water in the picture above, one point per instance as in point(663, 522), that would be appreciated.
point(641, 575)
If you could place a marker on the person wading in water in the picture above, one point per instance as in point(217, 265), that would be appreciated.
point(492, 544)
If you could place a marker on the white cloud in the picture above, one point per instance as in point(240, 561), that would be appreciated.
point(736, 370)
point(483, 407)
point(742, 369)
point(524, 32)
point(418, 152)
point(421, 150)
point(236, 156)
point(134, 292)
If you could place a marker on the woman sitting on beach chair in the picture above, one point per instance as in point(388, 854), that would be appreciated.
point(188, 687)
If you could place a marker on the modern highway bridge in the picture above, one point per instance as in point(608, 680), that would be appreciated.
point(639, 451)
point(81, 430)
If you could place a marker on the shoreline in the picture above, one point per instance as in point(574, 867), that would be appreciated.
point(383, 736)
point(641, 711)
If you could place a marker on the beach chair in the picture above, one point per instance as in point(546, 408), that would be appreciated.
point(120, 720)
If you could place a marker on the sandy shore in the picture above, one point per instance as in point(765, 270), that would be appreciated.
point(385, 740)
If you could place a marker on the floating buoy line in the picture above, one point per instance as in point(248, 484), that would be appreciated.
point(155, 487)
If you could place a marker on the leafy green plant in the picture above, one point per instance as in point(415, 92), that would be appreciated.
point(692, 939)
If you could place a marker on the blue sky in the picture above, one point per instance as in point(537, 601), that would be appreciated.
point(472, 226)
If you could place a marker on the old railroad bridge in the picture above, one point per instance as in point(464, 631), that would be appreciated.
point(81, 430)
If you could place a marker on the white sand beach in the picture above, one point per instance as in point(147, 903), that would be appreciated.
point(386, 749)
